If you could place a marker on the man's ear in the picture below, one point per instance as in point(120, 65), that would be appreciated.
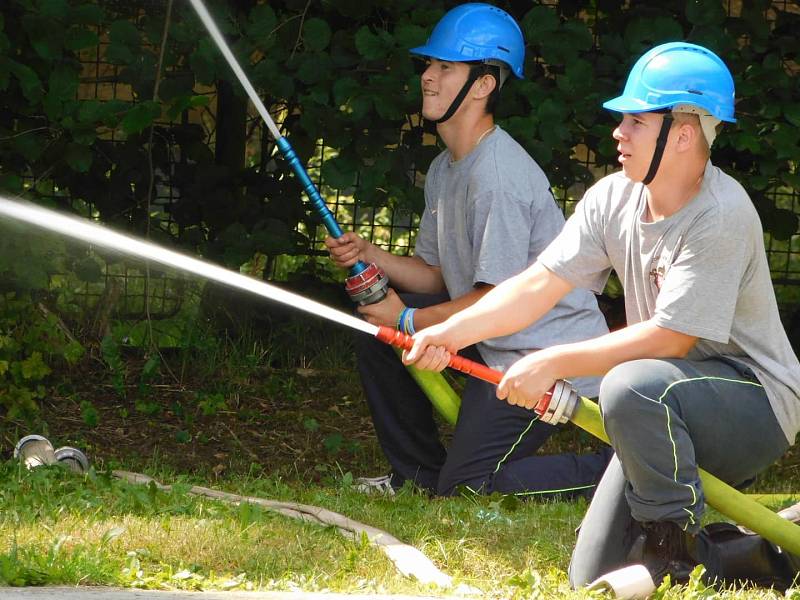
point(484, 86)
point(687, 135)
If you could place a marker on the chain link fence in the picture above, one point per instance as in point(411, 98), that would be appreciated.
point(136, 292)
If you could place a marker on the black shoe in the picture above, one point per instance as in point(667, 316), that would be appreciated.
point(664, 549)
point(735, 558)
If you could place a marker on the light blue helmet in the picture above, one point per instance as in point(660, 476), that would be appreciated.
point(678, 74)
point(476, 32)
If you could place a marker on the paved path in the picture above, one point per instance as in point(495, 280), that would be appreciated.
point(98, 593)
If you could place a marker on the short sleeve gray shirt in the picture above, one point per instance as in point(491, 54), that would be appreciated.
point(487, 217)
point(701, 271)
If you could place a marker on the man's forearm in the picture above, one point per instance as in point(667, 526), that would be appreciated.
point(407, 273)
point(595, 357)
point(512, 305)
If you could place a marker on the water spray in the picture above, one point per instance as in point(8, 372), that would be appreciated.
point(560, 404)
point(367, 283)
point(92, 233)
point(95, 234)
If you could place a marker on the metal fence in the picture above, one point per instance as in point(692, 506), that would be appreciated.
point(394, 230)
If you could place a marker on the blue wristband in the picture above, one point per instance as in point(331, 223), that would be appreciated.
point(400, 318)
point(410, 330)
point(404, 324)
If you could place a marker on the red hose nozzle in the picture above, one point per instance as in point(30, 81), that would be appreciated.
point(459, 363)
point(368, 286)
point(556, 406)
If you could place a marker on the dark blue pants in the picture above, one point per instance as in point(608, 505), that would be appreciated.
point(494, 444)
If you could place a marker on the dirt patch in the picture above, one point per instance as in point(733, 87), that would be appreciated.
point(300, 424)
point(294, 422)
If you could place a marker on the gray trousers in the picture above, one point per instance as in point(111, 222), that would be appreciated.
point(664, 418)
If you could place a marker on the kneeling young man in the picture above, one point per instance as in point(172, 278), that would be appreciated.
point(703, 373)
point(488, 214)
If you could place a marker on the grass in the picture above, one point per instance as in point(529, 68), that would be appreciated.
point(284, 420)
point(58, 528)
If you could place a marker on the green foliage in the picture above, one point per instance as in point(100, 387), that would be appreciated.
point(333, 442)
point(111, 350)
point(344, 75)
point(89, 413)
point(33, 338)
point(149, 371)
point(112, 355)
point(211, 404)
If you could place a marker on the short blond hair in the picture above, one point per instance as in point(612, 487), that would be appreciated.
point(700, 118)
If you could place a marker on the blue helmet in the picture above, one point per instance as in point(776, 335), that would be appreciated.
point(476, 32)
point(678, 73)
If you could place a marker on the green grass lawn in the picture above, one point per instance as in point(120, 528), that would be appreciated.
point(59, 528)
point(291, 429)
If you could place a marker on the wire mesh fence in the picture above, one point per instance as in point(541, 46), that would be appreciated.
point(392, 229)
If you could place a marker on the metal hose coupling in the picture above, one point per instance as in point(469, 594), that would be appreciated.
point(558, 405)
point(368, 286)
point(36, 450)
point(72, 458)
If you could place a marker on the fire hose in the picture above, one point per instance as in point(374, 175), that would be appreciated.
point(562, 403)
point(36, 451)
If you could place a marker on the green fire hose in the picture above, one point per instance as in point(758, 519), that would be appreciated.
point(443, 398)
point(730, 502)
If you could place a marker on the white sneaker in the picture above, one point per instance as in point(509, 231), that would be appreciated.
point(375, 485)
point(791, 513)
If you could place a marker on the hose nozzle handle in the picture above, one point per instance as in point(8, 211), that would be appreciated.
point(459, 363)
point(555, 407)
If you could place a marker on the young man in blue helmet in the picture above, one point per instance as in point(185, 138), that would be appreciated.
point(703, 373)
point(489, 212)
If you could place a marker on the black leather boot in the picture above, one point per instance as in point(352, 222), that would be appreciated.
point(664, 549)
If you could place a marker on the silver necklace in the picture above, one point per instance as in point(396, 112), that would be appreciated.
point(484, 134)
point(475, 145)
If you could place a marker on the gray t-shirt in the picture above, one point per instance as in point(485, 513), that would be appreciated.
point(487, 217)
point(702, 271)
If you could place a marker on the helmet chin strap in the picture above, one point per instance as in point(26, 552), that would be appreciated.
point(473, 76)
point(658, 153)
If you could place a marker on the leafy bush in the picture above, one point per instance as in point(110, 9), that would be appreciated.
point(29, 343)
point(34, 295)
point(341, 72)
